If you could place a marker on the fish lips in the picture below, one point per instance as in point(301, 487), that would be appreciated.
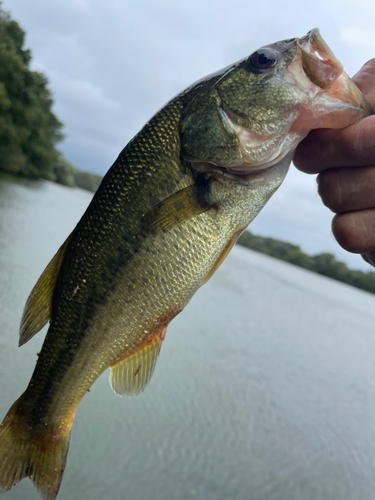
point(335, 93)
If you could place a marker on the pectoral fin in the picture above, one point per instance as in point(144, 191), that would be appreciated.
point(178, 208)
point(38, 306)
point(130, 376)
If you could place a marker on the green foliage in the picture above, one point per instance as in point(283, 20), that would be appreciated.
point(86, 180)
point(67, 175)
point(323, 263)
point(29, 130)
point(64, 172)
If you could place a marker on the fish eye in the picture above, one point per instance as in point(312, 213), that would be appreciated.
point(261, 60)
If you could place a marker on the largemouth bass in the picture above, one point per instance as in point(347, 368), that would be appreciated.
point(164, 218)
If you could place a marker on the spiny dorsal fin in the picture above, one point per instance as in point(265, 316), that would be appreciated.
point(178, 208)
point(130, 376)
point(37, 310)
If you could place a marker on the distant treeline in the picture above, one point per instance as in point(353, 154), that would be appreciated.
point(69, 176)
point(29, 130)
point(323, 263)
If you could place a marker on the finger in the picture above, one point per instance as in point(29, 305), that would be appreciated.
point(354, 145)
point(364, 80)
point(355, 231)
point(347, 189)
point(349, 147)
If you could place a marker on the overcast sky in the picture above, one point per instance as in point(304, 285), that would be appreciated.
point(113, 63)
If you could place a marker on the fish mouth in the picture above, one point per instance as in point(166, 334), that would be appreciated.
point(335, 101)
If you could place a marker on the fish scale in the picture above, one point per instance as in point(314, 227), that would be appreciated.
point(86, 255)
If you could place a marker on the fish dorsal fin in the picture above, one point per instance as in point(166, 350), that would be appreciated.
point(177, 208)
point(130, 376)
point(37, 310)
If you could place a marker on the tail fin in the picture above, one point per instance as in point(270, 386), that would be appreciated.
point(26, 453)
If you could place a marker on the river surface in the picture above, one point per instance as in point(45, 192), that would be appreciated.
point(264, 389)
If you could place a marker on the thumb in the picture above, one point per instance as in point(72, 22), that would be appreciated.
point(365, 81)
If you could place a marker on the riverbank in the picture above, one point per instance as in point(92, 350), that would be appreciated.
point(64, 174)
point(323, 263)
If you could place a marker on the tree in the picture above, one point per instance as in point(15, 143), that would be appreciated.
point(29, 130)
point(323, 263)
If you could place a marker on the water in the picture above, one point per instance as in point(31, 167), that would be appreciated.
point(264, 390)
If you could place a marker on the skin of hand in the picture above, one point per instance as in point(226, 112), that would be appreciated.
point(345, 162)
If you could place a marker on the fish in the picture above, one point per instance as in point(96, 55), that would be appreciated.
point(164, 218)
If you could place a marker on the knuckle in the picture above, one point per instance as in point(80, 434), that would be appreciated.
point(351, 148)
point(367, 133)
point(357, 145)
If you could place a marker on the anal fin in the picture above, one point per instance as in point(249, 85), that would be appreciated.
point(130, 376)
point(37, 310)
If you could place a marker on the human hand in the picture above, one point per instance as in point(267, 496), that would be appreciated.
point(345, 162)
